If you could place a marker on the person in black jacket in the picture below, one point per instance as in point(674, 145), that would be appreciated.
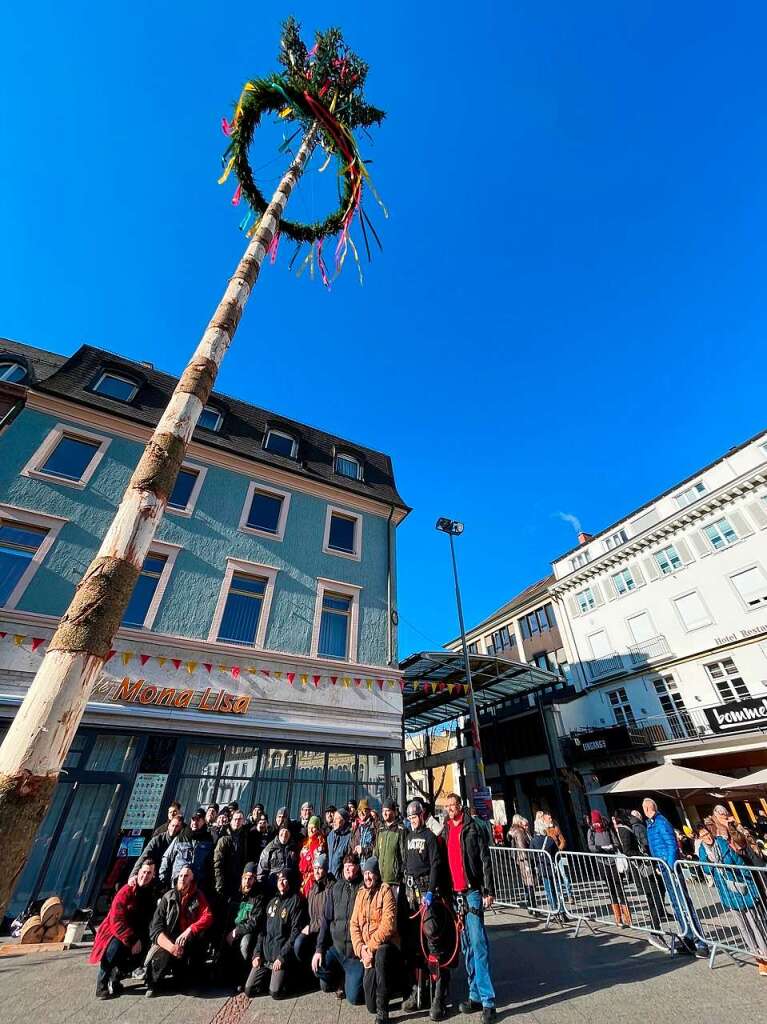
point(334, 959)
point(471, 874)
point(274, 963)
point(156, 847)
point(192, 847)
point(229, 856)
point(244, 919)
point(641, 872)
point(181, 918)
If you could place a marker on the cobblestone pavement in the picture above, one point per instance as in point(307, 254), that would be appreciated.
point(542, 976)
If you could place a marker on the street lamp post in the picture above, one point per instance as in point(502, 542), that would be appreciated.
point(455, 529)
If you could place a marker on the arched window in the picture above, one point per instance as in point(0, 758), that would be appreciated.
point(14, 373)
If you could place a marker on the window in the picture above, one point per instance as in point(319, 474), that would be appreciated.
point(542, 661)
point(691, 494)
point(621, 708)
point(334, 626)
point(473, 648)
point(347, 465)
point(615, 540)
point(265, 511)
point(112, 386)
point(501, 640)
point(641, 627)
point(600, 644)
point(336, 615)
point(67, 456)
point(720, 534)
point(12, 372)
point(239, 623)
point(18, 545)
point(281, 444)
point(343, 533)
point(579, 560)
point(677, 715)
point(728, 683)
point(143, 595)
point(623, 581)
point(585, 599)
point(751, 585)
point(536, 622)
point(692, 611)
point(210, 419)
point(668, 560)
point(186, 489)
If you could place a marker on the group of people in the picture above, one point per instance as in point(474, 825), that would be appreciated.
point(352, 902)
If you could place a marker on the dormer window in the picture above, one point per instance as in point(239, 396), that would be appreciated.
point(691, 494)
point(615, 540)
point(579, 560)
point(13, 373)
point(210, 419)
point(112, 385)
point(279, 443)
point(348, 466)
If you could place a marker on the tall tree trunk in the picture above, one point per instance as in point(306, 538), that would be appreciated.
point(40, 735)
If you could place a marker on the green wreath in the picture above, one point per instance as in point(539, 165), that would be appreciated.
point(265, 97)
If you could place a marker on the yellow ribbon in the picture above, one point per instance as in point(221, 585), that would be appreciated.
point(227, 172)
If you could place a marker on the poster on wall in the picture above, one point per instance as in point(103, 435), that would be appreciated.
point(145, 801)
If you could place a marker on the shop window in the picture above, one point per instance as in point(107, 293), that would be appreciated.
point(112, 754)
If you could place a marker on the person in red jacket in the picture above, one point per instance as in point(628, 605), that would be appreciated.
point(124, 933)
point(177, 931)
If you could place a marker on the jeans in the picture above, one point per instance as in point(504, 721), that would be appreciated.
point(476, 950)
point(349, 968)
point(115, 955)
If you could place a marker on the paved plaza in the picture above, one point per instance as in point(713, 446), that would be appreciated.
point(543, 976)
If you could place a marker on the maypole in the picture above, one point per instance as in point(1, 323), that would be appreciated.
point(322, 91)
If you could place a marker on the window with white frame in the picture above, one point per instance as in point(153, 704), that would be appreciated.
point(279, 443)
point(720, 534)
point(67, 456)
point(692, 611)
point(615, 540)
point(621, 708)
point(14, 373)
point(347, 465)
point(600, 644)
point(186, 489)
point(641, 627)
point(343, 533)
point(727, 681)
point(690, 494)
point(145, 590)
point(336, 617)
point(25, 539)
point(242, 611)
point(623, 581)
point(114, 386)
point(579, 560)
point(668, 560)
point(210, 418)
point(676, 711)
point(586, 600)
point(751, 585)
point(265, 511)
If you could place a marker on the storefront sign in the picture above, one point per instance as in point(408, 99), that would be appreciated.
point(145, 799)
point(742, 634)
point(482, 799)
point(139, 691)
point(738, 716)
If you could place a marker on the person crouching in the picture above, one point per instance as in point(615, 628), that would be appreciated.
point(245, 915)
point(274, 963)
point(124, 932)
point(374, 938)
point(177, 931)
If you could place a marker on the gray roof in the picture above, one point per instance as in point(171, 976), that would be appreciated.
point(243, 428)
point(533, 594)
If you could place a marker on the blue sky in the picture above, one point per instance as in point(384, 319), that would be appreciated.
point(569, 313)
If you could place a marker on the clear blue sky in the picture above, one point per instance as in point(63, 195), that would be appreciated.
point(569, 314)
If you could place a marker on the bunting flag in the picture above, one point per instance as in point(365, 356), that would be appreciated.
point(304, 678)
point(161, 661)
point(176, 662)
point(290, 677)
point(126, 657)
point(208, 666)
point(235, 671)
point(191, 667)
point(369, 684)
point(19, 639)
point(346, 681)
point(333, 680)
point(266, 672)
point(36, 641)
point(357, 681)
point(278, 675)
point(144, 658)
point(380, 684)
point(316, 680)
point(4, 635)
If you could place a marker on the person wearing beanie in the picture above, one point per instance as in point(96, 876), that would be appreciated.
point(364, 832)
point(274, 966)
point(229, 856)
point(192, 847)
point(244, 920)
point(334, 961)
point(339, 842)
point(277, 855)
point(316, 897)
point(373, 930)
point(389, 845)
point(314, 843)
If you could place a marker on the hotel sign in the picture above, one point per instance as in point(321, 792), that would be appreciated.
point(738, 716)
point(139, 691)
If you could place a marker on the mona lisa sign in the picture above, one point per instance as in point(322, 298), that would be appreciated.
point(738, 716)
point(139, 691)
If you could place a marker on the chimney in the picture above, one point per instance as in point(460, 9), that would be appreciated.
point(583, 537)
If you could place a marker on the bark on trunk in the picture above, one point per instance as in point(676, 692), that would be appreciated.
point(40, 735)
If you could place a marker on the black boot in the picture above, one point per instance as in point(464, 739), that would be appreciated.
point(418, 996)
point(438, 1009)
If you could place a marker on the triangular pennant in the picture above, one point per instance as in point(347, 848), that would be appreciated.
point(126, 657)
point(19, 639)
point(223, 668)
point(144, 658)
point(290, 677)
point(277, 675)
point(316, 680)
point(161, 661)
point(191, 667)
point(36, 641)
point(392, 683)
point(369, 683)
point(304, 678)
point(380, 684)
point(357, 681)
point(416, 684)
point(208, 666)
point(402, 686)
point(3, 635)
point(334, 680)
point(235, 671)
point(252, 670)
point(346, 681)
point(176, 662)
point(267, 673)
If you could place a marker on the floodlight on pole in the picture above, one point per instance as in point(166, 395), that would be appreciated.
point(454, 529)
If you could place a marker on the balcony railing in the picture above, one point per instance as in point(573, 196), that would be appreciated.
point(647, 650)
point(599, 667)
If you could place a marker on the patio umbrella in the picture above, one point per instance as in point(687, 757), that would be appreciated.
point(749, 781)
point(670, 779)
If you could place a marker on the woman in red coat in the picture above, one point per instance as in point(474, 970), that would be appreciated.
point(315, 843)
point(124, 932)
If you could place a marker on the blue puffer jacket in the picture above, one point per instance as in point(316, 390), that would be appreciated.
point(661, 840)
point(737, 889)
point(189, 849)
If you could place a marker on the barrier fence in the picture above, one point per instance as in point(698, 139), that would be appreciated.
point(719, 906)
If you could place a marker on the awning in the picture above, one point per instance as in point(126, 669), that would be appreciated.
point(494, 680)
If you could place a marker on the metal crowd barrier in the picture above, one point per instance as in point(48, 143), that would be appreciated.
point(727, 906)
point(640, 893)
point(526, 879)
